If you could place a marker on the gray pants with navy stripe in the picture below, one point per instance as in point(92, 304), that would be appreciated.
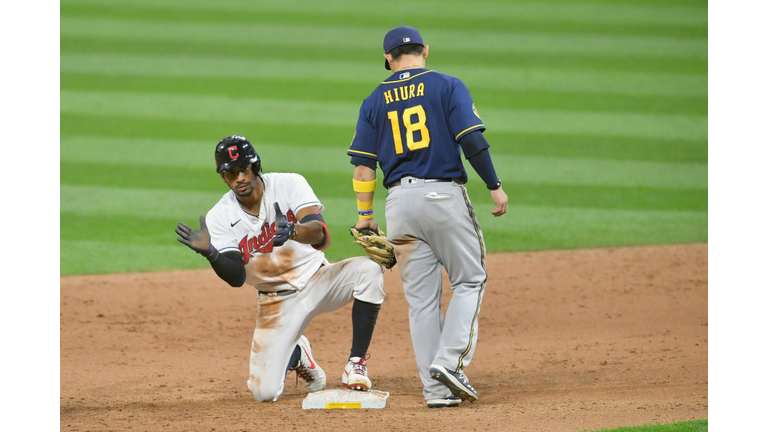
point(432, 225)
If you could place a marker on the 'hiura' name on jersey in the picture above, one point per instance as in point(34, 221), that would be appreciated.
point(403, 93)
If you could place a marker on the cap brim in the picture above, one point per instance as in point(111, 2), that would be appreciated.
point(386, 65)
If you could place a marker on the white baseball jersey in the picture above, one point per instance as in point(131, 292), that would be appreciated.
point(268, 268)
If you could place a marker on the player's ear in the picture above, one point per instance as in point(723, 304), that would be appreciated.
point(425, 53)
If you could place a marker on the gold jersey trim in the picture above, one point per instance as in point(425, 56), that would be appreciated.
point(362, 152)
point(462, 132)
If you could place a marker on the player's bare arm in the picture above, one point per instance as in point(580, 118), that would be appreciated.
point(365, 175)
point(309, 231)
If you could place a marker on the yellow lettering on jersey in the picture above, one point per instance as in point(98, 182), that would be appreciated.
point(392, 115)
point(404, 92)
point(420, 125)
point(420, 91)
point(397, 99)
point(412, 89)
point(388, 96)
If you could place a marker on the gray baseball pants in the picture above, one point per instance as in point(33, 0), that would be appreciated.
point(432, 225)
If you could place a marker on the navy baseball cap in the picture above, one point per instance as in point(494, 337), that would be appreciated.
point(402, 35)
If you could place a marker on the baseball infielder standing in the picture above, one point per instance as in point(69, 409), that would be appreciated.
point(247, 239)
point(414, 125)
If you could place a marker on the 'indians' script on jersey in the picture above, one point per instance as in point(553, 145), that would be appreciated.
point(268, 268)
point(263, 242)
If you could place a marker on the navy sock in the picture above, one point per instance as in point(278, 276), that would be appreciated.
point(363, 321)
point(295, 357)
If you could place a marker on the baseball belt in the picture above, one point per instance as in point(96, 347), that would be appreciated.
point(415, 180)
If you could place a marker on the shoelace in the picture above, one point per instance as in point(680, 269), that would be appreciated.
point(360, 368)
point(304, 373)
point(465, 381)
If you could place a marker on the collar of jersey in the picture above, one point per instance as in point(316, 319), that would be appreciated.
point(406, 79)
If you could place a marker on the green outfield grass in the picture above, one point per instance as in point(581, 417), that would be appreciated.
point(692, 426)
point(596, 114)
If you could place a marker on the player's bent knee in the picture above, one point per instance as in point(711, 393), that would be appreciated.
point(370, 284)
point(372, 268)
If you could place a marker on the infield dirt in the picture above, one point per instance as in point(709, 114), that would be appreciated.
point(568, 341)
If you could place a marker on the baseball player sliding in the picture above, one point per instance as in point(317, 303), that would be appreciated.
point(415, 125)
point(267, 231)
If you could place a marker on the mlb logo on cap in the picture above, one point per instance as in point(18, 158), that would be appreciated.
point(400, 36)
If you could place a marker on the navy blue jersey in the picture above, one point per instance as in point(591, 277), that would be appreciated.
point(411, 125)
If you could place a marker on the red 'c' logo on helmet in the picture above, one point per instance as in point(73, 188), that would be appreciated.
point(233, 154)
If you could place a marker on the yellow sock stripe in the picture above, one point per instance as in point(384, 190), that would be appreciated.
point(364, 186)
point(482, 285)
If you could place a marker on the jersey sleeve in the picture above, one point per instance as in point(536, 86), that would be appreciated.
point(300, 194)
point(463, 117)
point(220, 232)
point(364, 142)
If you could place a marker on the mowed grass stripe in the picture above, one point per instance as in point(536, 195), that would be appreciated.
point(120, 242)
point(546, 228)
point(93, 201)
point(351, 37)
point(176, 203)
point(665, 14)
point(282, 112)
point(347, 72)
point(198, 154)
point(154, 180)
point(459, 21)
point(83, 159)
point(592, 147)
point(318, 90)
point(107, 127)
point(85, 257)
point(442, 57)
point(124, 243)
point(107, 199)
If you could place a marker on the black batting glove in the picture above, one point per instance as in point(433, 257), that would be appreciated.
point(197, 240)
point(285, 230)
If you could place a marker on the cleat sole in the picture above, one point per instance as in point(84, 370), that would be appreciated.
point(454, 386)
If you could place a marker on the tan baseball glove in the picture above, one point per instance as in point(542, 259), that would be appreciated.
point(376, 245)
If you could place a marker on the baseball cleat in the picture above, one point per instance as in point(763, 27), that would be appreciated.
point(355, 375)
point(456, 382)
point(450, 401)
point(308, 369)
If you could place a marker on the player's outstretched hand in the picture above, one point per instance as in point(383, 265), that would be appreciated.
point(285, 230)
point(197, 240)
point(500, 199)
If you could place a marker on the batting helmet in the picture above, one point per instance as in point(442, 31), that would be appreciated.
point(236, 150)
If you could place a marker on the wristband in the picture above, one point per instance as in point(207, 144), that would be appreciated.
point(365, 209)
point(498, 185)
point(364, 186)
